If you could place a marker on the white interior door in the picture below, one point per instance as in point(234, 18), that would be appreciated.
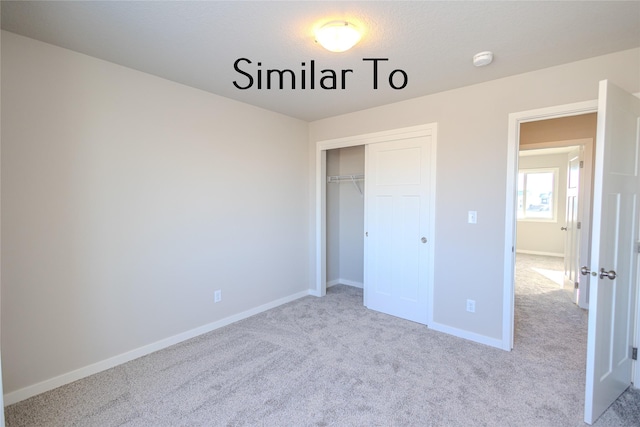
point(398, 216)
point(572, 223)
point(614, 236)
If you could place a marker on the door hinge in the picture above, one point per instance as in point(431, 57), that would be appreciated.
point(634, 353)
point(579, 226)
point(366, 234)
point(638, 247)
point(576, 285)
point(581, 164)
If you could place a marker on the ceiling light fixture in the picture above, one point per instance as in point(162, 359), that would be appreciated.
point(483, 58)
point(338, 36)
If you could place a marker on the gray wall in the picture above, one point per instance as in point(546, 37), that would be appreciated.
point(472, 173)
point(352, 217)
point(127, 200)
point(345, 218)
point(333, 218)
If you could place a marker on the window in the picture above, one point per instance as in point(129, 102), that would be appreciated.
point(537, 194)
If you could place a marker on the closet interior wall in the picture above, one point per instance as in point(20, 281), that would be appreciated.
point(345, 218)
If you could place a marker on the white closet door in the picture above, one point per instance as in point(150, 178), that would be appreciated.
point(398, 214)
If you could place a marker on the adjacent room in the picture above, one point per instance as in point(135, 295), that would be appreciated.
point(555, 186)
point(211, 215)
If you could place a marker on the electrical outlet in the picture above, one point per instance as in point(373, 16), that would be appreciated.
point(217, 296)
point(471, 306)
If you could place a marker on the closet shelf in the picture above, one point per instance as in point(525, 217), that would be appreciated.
point(337, 179)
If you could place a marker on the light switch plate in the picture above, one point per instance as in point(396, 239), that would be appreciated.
point(473, 217)
point(471, 306)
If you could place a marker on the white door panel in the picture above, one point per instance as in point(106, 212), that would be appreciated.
point(572, 219)
point(614, 233)
point(399, 214)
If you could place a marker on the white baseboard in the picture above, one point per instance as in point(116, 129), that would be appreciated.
point(69, 377)
point(524, 251)
point(471, 336)
point(345, 282)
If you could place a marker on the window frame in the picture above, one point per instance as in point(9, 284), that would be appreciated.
point(554, 214)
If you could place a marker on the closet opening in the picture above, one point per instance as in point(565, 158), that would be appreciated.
point(345, 216)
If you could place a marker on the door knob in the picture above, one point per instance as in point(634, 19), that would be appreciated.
point(585, 271)
point(610, 274)
point(563, 228)
point(423, 240)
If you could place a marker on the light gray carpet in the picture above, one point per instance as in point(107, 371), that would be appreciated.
point(331, 362)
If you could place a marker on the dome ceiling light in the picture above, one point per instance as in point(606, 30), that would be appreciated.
point(338, 36)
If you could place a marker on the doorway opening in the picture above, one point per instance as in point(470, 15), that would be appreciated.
point(553, 210)
point(554, 204)
point(537, 139)
point(345, 216)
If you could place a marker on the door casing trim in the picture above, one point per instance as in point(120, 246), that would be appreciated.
point(513, 143)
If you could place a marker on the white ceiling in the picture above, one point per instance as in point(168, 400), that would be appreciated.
point(197, 43)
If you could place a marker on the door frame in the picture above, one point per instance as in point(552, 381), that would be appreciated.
point(513, 147)
point(515, 119)
point(320, 279)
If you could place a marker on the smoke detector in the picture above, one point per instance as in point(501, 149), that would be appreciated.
point(483, 58)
